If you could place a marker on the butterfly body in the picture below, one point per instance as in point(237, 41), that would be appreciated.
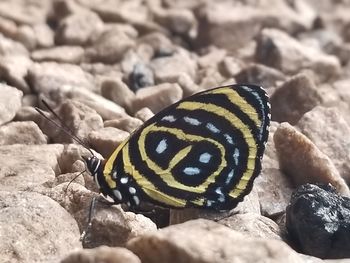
point(203, 151)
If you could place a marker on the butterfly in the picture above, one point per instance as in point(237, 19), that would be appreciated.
point(202, 152)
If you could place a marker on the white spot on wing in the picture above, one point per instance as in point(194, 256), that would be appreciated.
point(205, 157)
point(114, 175)
point(236, 156)
point(124, 180)
point(136, 200)
point(192, 121)
point(212, 128)
point(169, 118)
point(162, 145)
point(191, 170)
point(229, 177)
point(228, 138)
point(117, 194)
point(132, 190)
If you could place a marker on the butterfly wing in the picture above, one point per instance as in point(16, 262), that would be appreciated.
point(203, 151)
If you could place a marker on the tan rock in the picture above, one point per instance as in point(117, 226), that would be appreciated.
point(268, 78)
point(7, 27)
point(11, 47)
point(231, 26)
point(102, 254)
point(178, 21)
point(277, 49)
point(110, 46)
point(78, 28)
point(80, 119)
point(128, 124)
point(21, 133)
point(10, 102)
point(168, 69)
point(50, 76)
point(27, 217)
point(33, 165)
point(23, 12)
point(14, 69)
point(25, 34)
point(303, 162)
point(62, 54)
point(328, 130)
point(253, 225)
point(205, 241)
point(295, 97)
point(106, 140)
point(157, 97)
point(116, 90)
point(144, 114)
point(187, 84)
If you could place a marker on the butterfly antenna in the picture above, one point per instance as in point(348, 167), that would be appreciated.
point(62, 126)
point(75, 177)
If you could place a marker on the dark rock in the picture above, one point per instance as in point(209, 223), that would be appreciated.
point(141, 76)
point(319, 221)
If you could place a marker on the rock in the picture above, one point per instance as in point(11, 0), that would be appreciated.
point(44, 36)
point(159, 42)
point(34, 165)
point(128, 124)
point(106, 140)
point(253, 225)
point(7, 27)
point(100, 69)
point(206, 241)
point(278, 50)
point(14, 69)
point(29, 100)
point(27, 217)
point(230, 66)
point(11, 47)
point(157, 97)
point(80, 120)
point(62, 54)
point(295, 97)
point(168, 69)
point(116, 90)
point(212, 59)
point(102, 254)
point(319, 221)
point(268, 78)
point(10, 102)
point(141, 77)
point(112, 226)
point(105, 108)
point(210, 77)
point(179, 21)
point(188, 86)
point(23, 12)
point(110, 46)
point(25, 34)
point(78, 28)
point(144, 114)
point(50, 76)
point(21, 133)
point(303, 162)
point(328, 130)
point(232, 26)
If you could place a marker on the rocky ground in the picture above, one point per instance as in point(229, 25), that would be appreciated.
point(107, 66)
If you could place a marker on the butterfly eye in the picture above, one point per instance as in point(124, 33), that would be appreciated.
point(93, 164)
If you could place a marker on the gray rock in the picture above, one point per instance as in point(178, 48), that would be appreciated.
point(141, 76)
point(319, 220)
